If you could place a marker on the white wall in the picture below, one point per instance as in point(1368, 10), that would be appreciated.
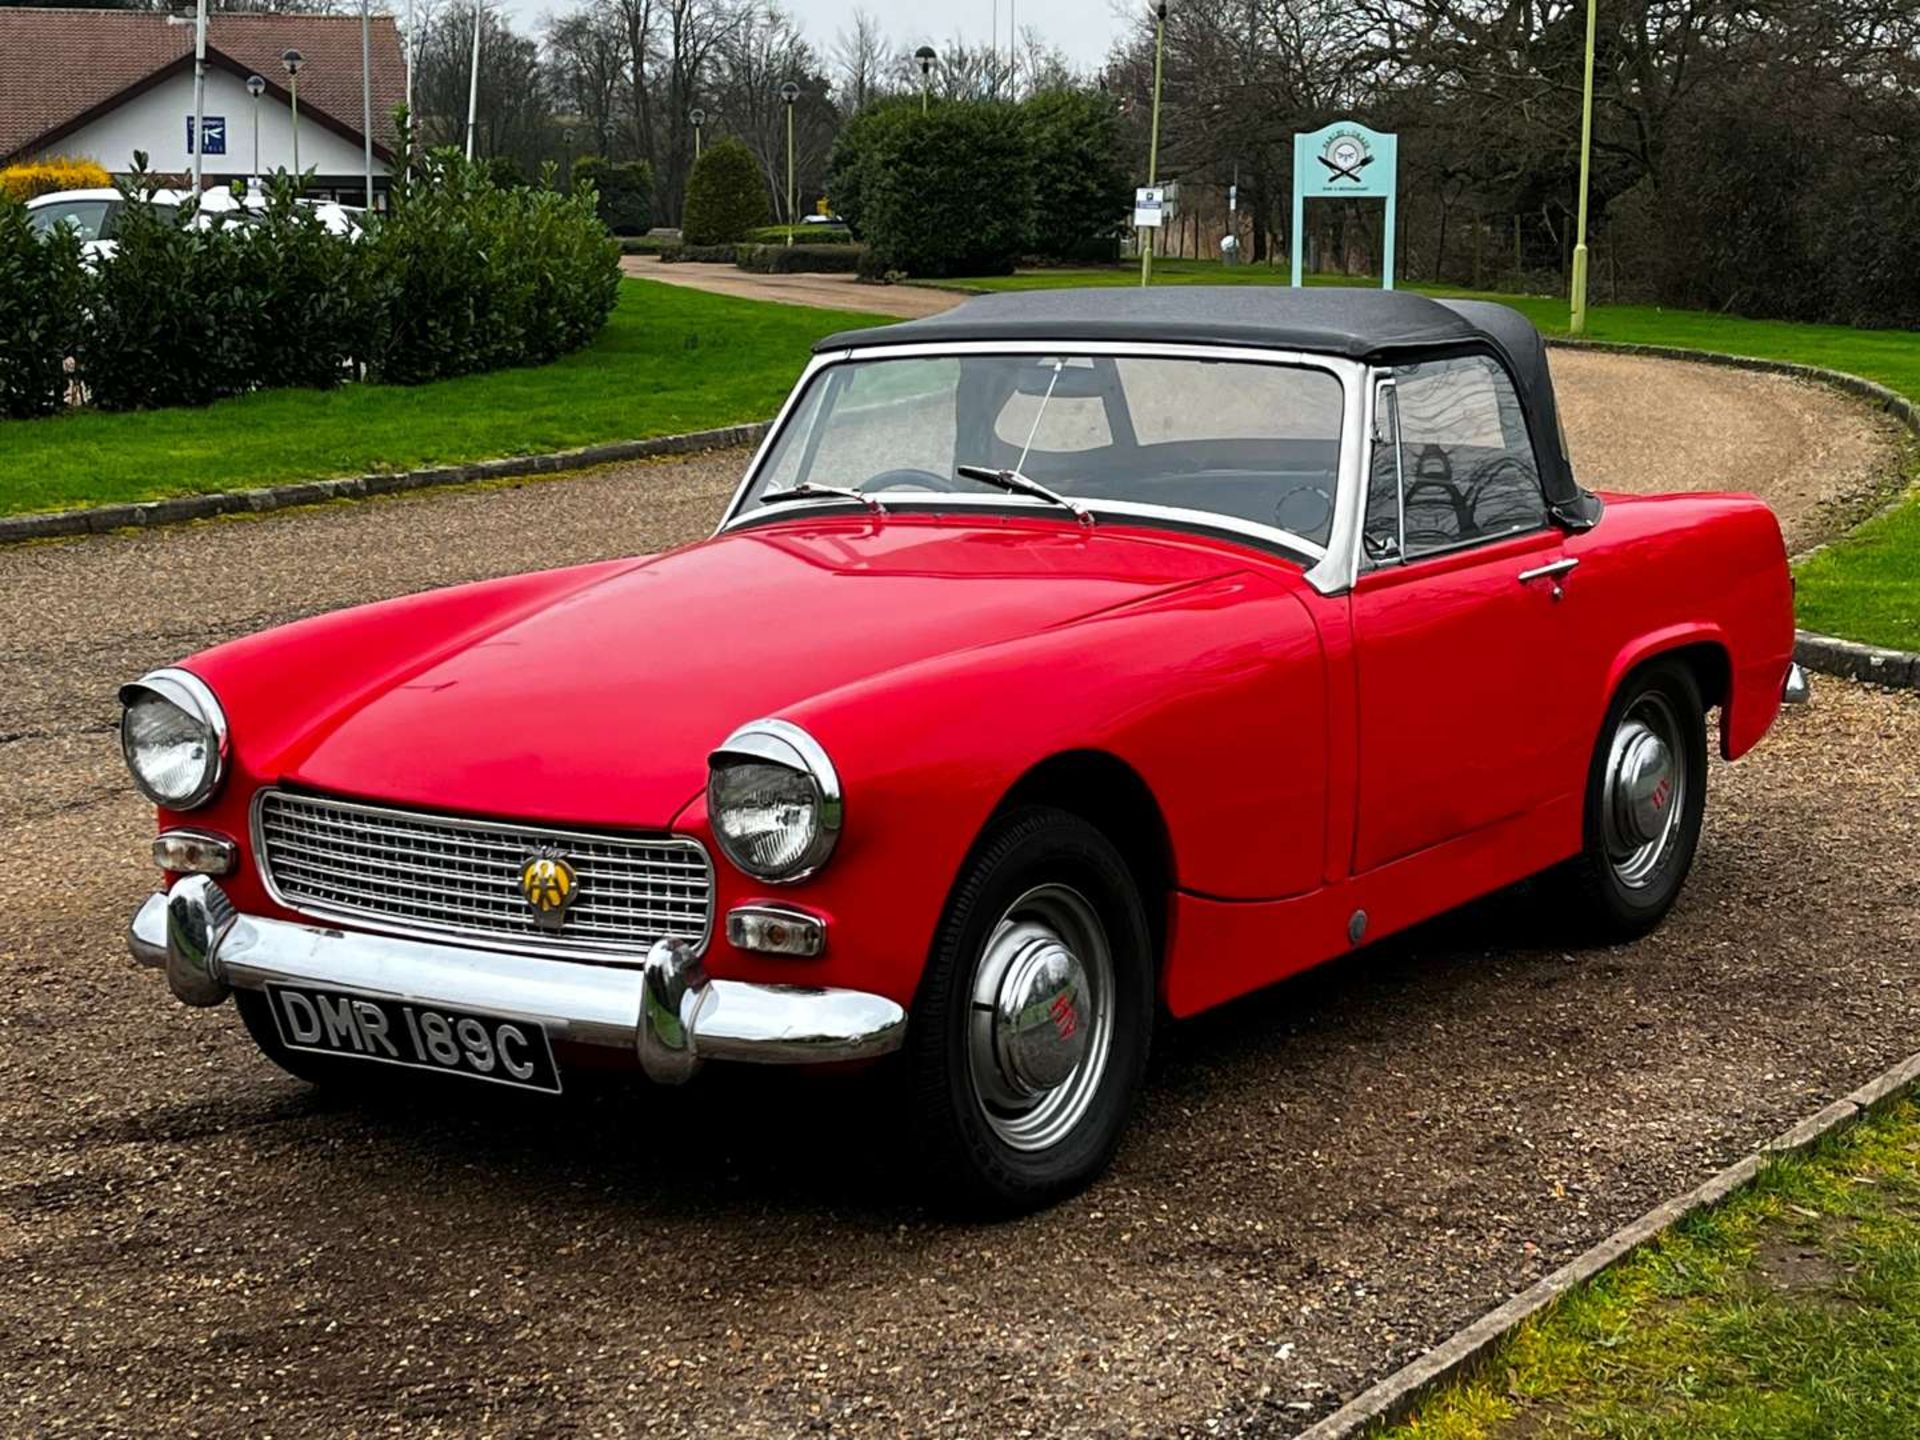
point(156, 121)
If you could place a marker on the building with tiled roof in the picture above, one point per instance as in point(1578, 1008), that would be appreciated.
point(102, 84)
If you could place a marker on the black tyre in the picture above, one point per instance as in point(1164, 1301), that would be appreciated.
point(1646, 797)
point(325, 1070)
point(1031, 1028)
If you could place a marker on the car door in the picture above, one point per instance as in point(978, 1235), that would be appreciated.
point(1463, 715)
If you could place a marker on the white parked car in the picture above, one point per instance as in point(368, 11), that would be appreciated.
point(95, 214)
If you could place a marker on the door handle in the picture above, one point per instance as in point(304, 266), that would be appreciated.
point(1541, 572)
point(1553, 572)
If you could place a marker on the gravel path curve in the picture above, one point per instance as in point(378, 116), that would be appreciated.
point(1325, 1178)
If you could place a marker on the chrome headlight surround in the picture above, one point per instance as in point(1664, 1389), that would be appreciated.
point(188, 695)
point(757, 754)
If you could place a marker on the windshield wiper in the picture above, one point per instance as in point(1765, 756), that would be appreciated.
point(807, 490)
point(1020, 485)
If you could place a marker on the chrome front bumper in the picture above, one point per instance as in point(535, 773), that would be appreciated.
point(665, 1011)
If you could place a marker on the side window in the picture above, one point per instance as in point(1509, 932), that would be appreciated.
point(1465, 469)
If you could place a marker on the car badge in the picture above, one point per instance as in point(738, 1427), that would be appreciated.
point(548, 884)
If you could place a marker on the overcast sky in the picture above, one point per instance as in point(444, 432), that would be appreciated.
point(1083, 29)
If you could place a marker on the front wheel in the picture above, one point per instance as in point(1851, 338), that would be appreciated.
point(1031, 1029)
point(1646, 798)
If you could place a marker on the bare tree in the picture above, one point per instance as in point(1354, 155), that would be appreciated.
point(861, 55)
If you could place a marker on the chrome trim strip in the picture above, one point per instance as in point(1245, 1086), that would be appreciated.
point(538, 942)
point(1333, 570)
point(668, 1013)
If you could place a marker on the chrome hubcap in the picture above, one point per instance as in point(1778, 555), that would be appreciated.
point(1042, 1017)
point(1646, 791)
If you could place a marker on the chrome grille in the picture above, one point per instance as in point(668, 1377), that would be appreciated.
point(409, 871)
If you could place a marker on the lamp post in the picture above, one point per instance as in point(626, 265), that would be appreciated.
point(473, 78)
point(569, 122)
point(292, 60)
point(366, 95)
point(790, 92)
point(1153, 142)
point(256, 87)
point(925, 55)
point(1577, 322)
point(698, 119)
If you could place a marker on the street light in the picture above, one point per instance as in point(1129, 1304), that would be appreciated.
point(925, 55)
point(292, 60)
point(1577, 322)
point(473, 78)
point(569, 123)
point(1153, 143)
point(256, 87)
point(698, 119)
point(790, 92)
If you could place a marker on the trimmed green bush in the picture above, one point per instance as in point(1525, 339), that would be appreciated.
point(459, 276)
point(726, 196)
point(1081, 185)
point(797, 259)
point(625, 189)
point(700, 254)
point(474, 277)
point(802, 235)
point(44, 294)
point(947, 192)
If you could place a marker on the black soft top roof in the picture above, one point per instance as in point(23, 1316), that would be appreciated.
point(1374, 326)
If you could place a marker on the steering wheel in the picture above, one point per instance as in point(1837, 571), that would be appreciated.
point(908, 478)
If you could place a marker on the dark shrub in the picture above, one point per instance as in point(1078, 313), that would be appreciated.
point(796, 259)
point(852, 147)
point(947, 192)
point(726, 196)
point(504, 171)
point(625, 190)
point(44, 287)
point(1081, 187)
point(700, 254)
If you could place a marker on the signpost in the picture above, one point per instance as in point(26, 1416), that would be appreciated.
point(1343, 161)
point(213, 136)
point(1149, 207)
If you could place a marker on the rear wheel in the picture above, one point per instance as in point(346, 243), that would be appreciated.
point(1646, 798)
point(1031, 1029)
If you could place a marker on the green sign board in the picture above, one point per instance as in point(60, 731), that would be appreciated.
point(1345, 161)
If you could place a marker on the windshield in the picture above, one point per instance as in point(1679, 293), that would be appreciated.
point(1242, 439)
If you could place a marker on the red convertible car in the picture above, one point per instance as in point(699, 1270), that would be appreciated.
point(1064, 662)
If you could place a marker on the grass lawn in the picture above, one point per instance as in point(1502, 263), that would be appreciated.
point(1866, 587)
point(670, 359)
point(1790, 1312)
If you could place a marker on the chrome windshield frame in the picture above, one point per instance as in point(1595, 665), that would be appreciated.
point(1331, 568)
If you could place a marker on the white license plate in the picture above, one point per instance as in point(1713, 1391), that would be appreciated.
point(424, 1037)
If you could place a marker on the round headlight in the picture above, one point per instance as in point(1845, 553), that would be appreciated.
point(174, 736)
point(774, 801)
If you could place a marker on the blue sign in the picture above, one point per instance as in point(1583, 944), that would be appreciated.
point(1341, 161)
point(213, 131)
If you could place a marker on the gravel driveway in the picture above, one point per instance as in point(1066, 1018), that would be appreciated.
point(1325, 1178)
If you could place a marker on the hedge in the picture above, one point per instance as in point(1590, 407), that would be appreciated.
point(795, 259)
point(802, 235)
point(459, 276)
point(947, 192)
point(700, 254)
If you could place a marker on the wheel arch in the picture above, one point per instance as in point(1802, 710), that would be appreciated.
point(1112, 796)
point(1702, 649)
